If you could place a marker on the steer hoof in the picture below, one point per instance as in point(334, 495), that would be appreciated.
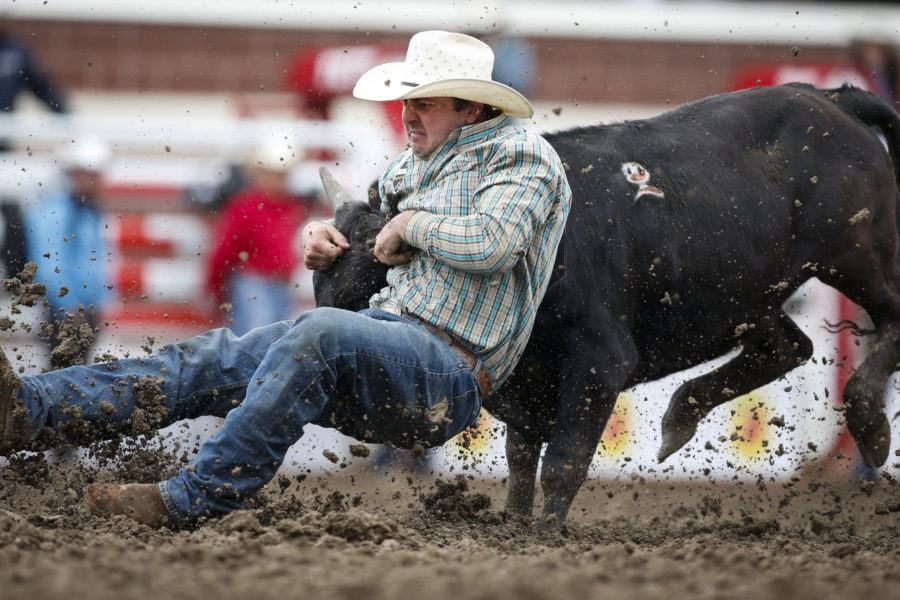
point(673, 438)
point(874, 447)
point(547, 524)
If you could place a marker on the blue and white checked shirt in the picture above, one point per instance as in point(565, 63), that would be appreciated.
point(492, 202)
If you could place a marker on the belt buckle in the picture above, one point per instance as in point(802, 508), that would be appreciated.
point(392, 306)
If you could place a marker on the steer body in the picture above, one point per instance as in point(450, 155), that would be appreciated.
point(688, 231)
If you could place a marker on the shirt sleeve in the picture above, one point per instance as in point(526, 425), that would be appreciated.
point(69, 249)
point(517, 188)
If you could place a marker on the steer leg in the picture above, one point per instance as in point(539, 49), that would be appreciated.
point(522, 455)
point(776, 347)
point(875, 289)
point(597, 370)
point(864, 397)
point(570, 452)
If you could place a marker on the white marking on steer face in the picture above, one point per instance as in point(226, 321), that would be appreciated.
point(638, 174)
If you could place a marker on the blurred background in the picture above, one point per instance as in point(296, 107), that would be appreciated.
point(184, 100)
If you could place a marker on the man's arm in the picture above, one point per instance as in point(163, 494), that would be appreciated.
point(322, 245)
point(390, 247)
point(517, 192)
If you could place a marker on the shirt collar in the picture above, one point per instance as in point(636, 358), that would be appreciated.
point(465, 137)
point(471, 135)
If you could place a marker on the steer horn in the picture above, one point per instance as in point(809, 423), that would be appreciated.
point(336, 194)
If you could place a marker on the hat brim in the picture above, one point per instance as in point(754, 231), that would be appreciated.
point(387, 82)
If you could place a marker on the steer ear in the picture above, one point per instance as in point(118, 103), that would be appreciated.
point(336, 194)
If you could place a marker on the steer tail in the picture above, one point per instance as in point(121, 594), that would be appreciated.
point(874, 112)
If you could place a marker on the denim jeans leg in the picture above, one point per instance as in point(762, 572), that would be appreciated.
point(375, 375)
point(205, 375)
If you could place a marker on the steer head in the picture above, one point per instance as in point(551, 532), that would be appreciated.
point(357, 274)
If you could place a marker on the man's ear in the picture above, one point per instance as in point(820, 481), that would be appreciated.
point(474, 112)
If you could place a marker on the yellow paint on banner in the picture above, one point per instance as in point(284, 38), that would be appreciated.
point(618, 435)
point(750, 433)
point(479, 440)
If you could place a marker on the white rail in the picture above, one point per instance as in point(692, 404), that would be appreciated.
point(180, 151)
point(728, 22)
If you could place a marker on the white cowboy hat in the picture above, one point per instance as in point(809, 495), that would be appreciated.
point(87, 154)
point(440, 63)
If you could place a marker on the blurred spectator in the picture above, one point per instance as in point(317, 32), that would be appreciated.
point(254, 256)
point(18, 70)
point(321, 75)
point(878, 61)
point(211, 197)
point(64, 237)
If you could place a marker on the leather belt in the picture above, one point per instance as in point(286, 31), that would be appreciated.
point(482, 378)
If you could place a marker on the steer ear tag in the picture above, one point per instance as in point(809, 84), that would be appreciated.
point(637, 174)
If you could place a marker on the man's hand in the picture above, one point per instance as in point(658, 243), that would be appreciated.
point(389, 245)
point(322, 245)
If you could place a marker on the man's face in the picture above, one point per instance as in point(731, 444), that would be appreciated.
point(86, 183)
point(429, 121)
point(270, 181)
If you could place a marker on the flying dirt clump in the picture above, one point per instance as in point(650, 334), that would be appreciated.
point(75, 335)
point(25, 291)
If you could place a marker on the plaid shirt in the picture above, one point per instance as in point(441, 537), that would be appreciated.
point(491, 204)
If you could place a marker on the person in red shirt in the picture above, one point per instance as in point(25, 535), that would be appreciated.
point(254, 257)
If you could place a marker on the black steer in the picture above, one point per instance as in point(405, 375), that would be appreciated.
point(687, 234)
point(351, 281)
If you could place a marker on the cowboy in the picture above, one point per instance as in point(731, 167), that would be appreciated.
point(483, 204)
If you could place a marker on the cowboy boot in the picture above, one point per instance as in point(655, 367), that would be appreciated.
point(15, 432)
point(140, 502)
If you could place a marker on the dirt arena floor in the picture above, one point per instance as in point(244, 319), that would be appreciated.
point(365, 533)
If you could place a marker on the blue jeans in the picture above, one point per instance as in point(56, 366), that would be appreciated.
point(371, 375)
point(257, 300)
